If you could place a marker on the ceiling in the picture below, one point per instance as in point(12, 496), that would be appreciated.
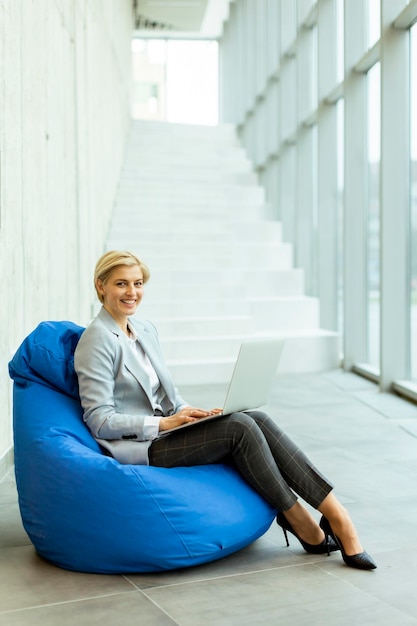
point(202, 19)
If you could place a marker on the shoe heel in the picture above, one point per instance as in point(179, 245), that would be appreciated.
point(286, 536)
point(325, 526)
point(327, 544)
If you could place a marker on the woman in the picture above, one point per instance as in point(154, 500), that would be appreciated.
point(128, 398)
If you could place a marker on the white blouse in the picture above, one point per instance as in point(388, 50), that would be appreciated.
point(151, 424)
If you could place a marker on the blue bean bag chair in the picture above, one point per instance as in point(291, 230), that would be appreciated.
point(86, 512)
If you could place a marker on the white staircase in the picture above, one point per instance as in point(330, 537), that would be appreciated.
point(190, 206)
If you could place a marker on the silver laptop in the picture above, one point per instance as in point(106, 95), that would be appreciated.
point(251, 381)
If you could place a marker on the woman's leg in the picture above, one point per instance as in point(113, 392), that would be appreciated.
point(297, 469)
point(269, 461)
point(298, 474)
point(341, 524)
point(330, 507)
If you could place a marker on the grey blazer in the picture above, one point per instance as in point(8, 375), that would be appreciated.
point(115, 392)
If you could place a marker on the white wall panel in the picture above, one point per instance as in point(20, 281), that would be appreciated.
point(64, 95)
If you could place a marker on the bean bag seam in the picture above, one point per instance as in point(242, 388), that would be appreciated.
point(158, 506)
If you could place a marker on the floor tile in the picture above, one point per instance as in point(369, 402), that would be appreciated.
point(410, 427)
point(268, 552)
point(28, 581)
point(388, 404)
point(301, 595)
point(8, 489)
point(126, 609)
point(396, 580)
point(12, 532)
point(349, 381)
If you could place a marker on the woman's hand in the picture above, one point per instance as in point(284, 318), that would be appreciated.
point(187, 414)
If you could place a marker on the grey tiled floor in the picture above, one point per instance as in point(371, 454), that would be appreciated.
point(363, 440)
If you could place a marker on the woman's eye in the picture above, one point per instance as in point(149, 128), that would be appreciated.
point(139, 284)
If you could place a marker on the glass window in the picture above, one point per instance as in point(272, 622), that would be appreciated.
point(148, 84)
point(340, 215)
point(314, 67)
point(314, 216)
point(175, 81)
point(413, 207)
point(374, 22)
point(307, 73)
point(340, 41)
point(373, 226)
point(288, 24)
point(192, 82)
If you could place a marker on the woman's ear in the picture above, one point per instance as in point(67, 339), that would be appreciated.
point(100, 286)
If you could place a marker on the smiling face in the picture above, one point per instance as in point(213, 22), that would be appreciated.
point(122, 292)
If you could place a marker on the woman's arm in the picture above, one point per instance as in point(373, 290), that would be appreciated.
point(187, 414)
point(96, 362)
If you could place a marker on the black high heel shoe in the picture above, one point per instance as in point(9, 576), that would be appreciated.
point(361, 561)
point(327, 545)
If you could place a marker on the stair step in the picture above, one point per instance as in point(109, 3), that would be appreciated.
point(218, 256)
point(202, 229)
point(285, 313)
point(206, 326)
point(212, 285)
point(211, 289)
point(303, 352)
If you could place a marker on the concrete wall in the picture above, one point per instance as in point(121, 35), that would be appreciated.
point(64, 117)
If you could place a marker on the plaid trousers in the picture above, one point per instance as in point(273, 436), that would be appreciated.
point(263, 454)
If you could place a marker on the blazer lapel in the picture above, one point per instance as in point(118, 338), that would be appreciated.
point(153, 353)
point(129, 357)
point(132, 364)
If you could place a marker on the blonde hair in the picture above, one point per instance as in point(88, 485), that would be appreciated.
point(106, 264)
